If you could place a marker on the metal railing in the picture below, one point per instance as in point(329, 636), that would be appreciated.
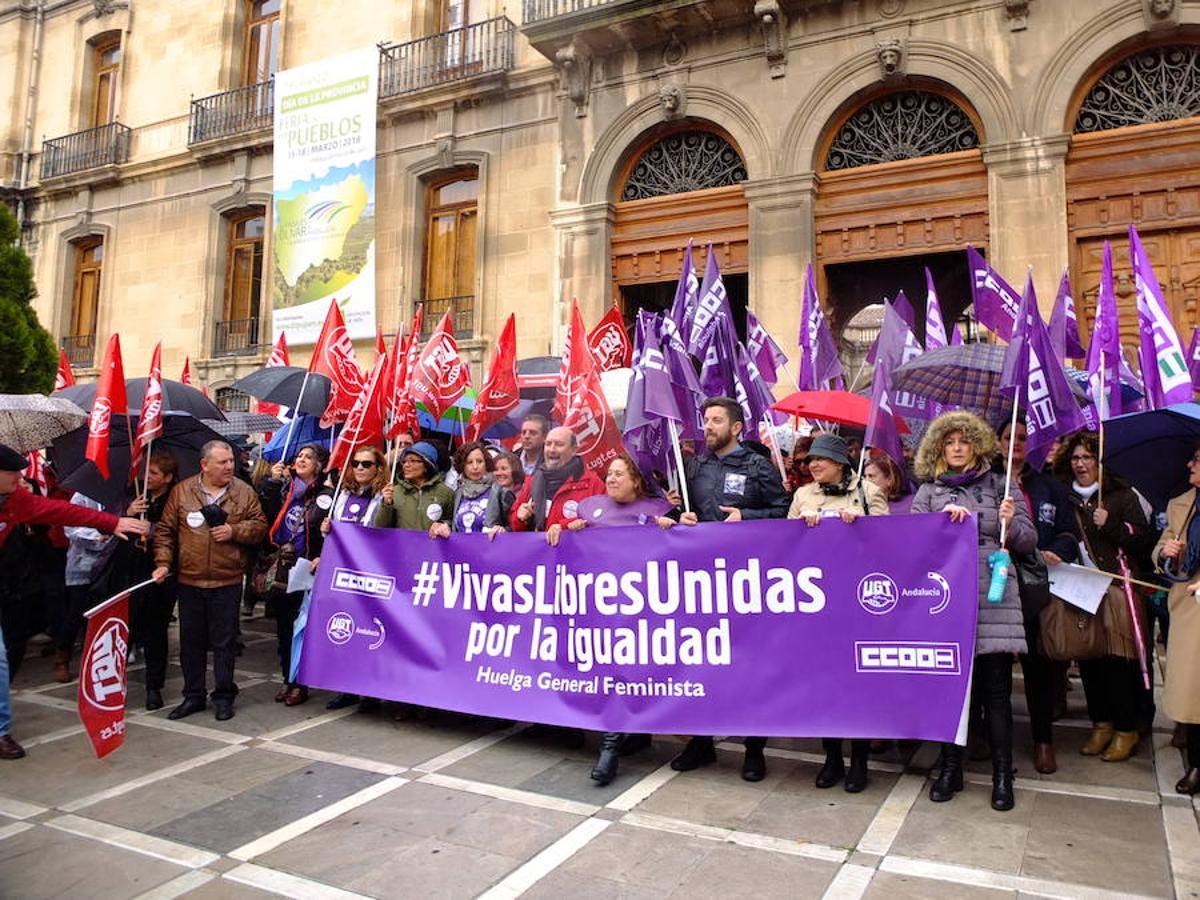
point(105, 145)
point(463, 314)
point(81, 349)
point(237, 111)
point(235, 337)
point(467, 52)
point(541, 10)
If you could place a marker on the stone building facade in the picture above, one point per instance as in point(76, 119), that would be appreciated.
point(571, 148)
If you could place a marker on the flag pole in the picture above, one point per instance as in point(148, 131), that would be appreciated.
point(1012, 440)
point(145, 492)
point(683, 490)
point(129, 432)
point(775, 454)
point(1102, 409)
point(295, 419)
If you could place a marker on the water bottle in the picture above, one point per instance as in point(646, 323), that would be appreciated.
point(999, 562)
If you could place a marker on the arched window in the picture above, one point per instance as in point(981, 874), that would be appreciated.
point(684, 161)
point(1155, 85)
point(902, 125)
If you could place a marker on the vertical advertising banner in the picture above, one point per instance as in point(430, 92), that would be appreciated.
point(323, 244)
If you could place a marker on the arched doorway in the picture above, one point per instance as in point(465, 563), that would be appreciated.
point(679, 183)
point(901, 188)
point(1135, 157)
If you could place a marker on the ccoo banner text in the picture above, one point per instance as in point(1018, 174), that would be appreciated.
point(762, 627)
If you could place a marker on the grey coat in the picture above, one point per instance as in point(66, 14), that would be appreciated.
point(1001, 628)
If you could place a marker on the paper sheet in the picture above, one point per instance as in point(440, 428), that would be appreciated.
point(1078, 586)
point(300, 576)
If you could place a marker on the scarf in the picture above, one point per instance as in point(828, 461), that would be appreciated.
point(547, 483)
point(1085, 492)
point(472, 489)
point(289, 524)
point(959, 479)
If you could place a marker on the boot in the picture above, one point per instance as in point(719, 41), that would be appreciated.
point(856, 775)
point(834, 769)
point(950, 781)
point(1102, 735)
point(1002, 785)
point(1043, 759)
point(698, 752)
point(754, 763)
point(1123, 746)
point(605, 769)
point(62, 666)
point(1189, 784)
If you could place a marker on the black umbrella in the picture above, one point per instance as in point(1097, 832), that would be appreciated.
point(177, 397)
point(281, 385)
point(182, 437)
point(537, 376)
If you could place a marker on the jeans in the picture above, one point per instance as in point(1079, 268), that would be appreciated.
point(5, 696)
point(208, 620)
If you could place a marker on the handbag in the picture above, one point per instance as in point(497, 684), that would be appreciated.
point(1033, 582)
point(1068, 632)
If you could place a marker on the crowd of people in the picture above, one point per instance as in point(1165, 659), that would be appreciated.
point(236, 535)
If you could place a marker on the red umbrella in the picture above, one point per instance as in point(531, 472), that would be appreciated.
point(842, 407)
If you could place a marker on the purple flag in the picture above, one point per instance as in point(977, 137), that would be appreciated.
point(763, 349)
point(819, 362)
point(651, 399)
point(753, 394)
point(882, 433)
point(1165, 373)
point(935, 325)
point(1034, 377)
point(996, 302)
point(956, 338)
point(1104, 352)
point(1193, 358)
point(903, 402)
point(687, 295)
point(907, 315)
point(711, 309)
point(1064, 325)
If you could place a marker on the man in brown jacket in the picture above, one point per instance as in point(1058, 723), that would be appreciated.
point(207, 530)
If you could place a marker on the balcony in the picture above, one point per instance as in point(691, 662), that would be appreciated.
point(232, 114)
point(235, 337)
point(476, 51)
point(463, 314)
point(102, 147)
point(81, 350)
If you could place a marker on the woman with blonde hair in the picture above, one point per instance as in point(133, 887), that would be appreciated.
point(954, 460)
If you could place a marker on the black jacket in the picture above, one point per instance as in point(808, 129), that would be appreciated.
point(1053, 514)
point(740, 479)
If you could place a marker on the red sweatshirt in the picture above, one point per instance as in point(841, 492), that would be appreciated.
point(25, 508)
point(564, 505)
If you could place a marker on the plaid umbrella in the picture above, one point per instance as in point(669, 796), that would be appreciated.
point(1129, 393)
point(244, 423)
point(29, 422)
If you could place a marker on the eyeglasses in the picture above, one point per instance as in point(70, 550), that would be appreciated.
point(362, 464)
point(1195, 459)
point(1082, 458)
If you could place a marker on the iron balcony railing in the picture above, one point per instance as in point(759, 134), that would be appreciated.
point(233, 112)
point(463, 314)
point(541, 10)
point(479, 49)
point(235, 337)
point(81, 349)
point(105, 145)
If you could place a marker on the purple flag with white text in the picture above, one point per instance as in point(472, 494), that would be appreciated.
point(1104, 352)
point(712, 309)
point(882, 433)
point(763, 350)
point(1165, 375)
point(996, 302)
point(687, 295)
point(820, 366)
point(1064, 324)
point(1193, 357)
point(935, 325)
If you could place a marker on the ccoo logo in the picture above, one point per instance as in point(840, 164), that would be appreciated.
point(877, 594)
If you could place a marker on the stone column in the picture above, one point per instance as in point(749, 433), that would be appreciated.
point(583, 236)
point(1027, 212)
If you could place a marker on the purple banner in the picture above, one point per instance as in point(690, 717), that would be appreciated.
point(763, 627)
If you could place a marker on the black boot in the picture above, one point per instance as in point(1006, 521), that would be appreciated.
point(605, 769)
point(754, 764)
point(833, 770)
point(1002, 786)
point(950, 781)
point(856, 775)
point(698, 752)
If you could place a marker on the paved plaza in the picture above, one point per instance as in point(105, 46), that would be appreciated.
point(303, 802)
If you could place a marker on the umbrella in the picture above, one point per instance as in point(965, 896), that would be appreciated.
point(177, 397)
point(1129, 392)
point(29, 422)
point(454, 420)
point(537, 376)
point(244, 423)
point(307, 429)
point(281, 385)
point(842, 407)
point(182, 437)
point(1151, 449)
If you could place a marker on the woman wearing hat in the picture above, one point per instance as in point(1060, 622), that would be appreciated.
point(295, 504)
point(837, 490)
point(420, 498)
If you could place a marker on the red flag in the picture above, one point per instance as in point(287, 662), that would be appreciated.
point(102, 674)
point(364, 424)
point(440, 376)
point(333, 356)
point(500, 393)
point(150, 422)
point(380, 344)
point(185, 377)
point(589, 417)
point(609, 342)
point(64, 378)
point(573, 366)
point(110, 401)
point(279, 357)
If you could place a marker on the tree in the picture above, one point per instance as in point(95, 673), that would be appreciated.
point(28, 357)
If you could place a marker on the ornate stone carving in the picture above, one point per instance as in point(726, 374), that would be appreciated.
point(684, 161)
point(774, 28)
point(903, 125)
point(890, 8)
point(1160, 13)
point(575, 71)
point(672, 100)
point(1155, 85)
point(103, 8)
point(675, 51)
point(1018, 14)
point(890, 53)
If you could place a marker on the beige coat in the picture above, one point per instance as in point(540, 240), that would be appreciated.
point(809, 500)
point(1181, 693)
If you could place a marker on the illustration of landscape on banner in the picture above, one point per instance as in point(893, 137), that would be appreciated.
point(323, 245)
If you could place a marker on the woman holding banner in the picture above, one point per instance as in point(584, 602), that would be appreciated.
point(509, 475)
point(837, 490)
point(954, 461)
point(1112, 522)
point(476, 484)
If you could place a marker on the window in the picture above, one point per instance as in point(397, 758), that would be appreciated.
point(1156, 85)
point(106, 64)
point(80, 339)
point(902, 125)
point(237, 328)
point(453, 213)
point(262, 40)
point(462, 45)
point(684, 161)
point(232, 400)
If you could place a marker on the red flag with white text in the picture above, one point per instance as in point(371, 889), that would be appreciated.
point(334, 357)
point(440, 377)
point(102, 686)
point(185, 377)
point(64, 378)
point(597, 435)
point(364, 424)
point(500, 393)
point(150, 422)
point(110, 400)
point(574, 351)
point(609, 342)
